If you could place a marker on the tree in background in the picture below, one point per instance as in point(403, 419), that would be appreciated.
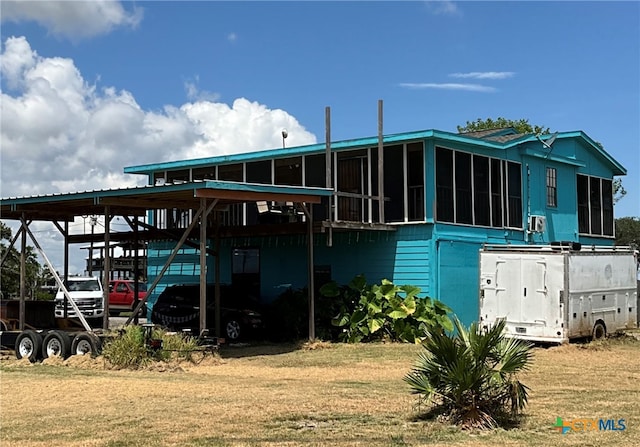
point(10, 274)
point(628, 231)
point(618, 190)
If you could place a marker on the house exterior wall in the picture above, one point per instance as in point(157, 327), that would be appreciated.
point(442, 258)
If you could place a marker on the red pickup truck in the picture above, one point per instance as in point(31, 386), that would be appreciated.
point(122, 297)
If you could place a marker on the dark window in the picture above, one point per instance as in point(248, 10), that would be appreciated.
point(259, 172)
point(583, 203)
point(486, 191)
point(464, 210)
point(394, 183)
point(595, 199)
point(206, 173)
point(607, 207)
point(481, 190)
point(595, 205)
point(374, 184)
point(288, 171)
point(415, 181)
point(351, 180)
point(230, 173)
point(158, 178)
point(315, 176)
point(181, 175)
point(444, 185)
point(497, 219)
point(515, 195)
point(314, 171)
point(552, 187)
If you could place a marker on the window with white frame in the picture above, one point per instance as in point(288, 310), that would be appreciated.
point(595, 205)
point(477, 190)
point(552, 187)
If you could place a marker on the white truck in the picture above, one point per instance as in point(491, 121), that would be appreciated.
point(555, 293)
point(88, 295)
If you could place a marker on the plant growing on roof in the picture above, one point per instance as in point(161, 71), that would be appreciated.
point(386, 312)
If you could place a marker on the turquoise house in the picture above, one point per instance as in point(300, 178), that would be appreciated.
point(444, 195)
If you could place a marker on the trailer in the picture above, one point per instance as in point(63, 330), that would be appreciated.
point(44, 335)
point(559, 292)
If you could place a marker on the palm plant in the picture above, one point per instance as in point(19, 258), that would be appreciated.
point(470, 377)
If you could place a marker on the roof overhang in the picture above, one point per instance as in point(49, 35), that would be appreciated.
point(137, 200)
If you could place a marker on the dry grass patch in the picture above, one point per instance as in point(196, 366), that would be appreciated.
point(325, 395)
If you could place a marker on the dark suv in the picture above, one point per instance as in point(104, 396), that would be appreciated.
point(178, 308)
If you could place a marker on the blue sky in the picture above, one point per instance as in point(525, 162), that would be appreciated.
point(91, 87)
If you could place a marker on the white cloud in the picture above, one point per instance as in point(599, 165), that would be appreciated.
point(442, 7)
point(450, 86)
point(484, 75)
point(73, 19)
point(194, 93)
point(61, 134)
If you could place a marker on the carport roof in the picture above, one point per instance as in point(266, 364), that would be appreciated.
point(137, 200)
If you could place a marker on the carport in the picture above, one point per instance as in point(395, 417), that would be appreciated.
point(202, 198)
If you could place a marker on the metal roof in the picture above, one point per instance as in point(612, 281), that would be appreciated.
point(503, 138)
point(135, 201)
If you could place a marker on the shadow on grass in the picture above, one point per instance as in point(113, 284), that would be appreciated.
point(242, 350)
point(437, 414)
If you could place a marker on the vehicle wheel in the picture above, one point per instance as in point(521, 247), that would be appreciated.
point(86, 343)
point(599, 331)
point(56, 344)
point(142, 313)
point(29, 345)
point(233, 330)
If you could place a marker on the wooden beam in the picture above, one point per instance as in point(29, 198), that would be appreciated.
point(253, 196)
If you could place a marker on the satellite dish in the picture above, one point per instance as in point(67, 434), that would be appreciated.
point(547, 143)
point(285, 134)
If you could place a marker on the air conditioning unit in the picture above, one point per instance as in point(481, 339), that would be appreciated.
point(537, 224)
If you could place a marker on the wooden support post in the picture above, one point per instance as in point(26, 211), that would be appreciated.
point(380, 165)
point(23, 273)
point(310, 271)
point(107, 265)
point(203, 264)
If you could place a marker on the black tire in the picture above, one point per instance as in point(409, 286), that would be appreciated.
point(599, 331)
point(29, 345)
point(233, 330)
point(142, 313)
point(56, 344)
point(86, 343)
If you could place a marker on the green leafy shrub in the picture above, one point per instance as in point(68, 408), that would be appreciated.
point(385, 312)
point(470, 377)
point(129, 348)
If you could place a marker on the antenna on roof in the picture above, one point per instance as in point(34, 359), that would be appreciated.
point(285, 134)
point(547, 143)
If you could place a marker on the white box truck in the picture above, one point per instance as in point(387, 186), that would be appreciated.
point(558, 292)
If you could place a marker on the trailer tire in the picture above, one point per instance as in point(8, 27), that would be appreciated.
point(29, 345)
point(56, 344)
point(86, 343)
point(599, 331)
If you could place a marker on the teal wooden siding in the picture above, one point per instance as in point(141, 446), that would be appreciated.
point(458, 279)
